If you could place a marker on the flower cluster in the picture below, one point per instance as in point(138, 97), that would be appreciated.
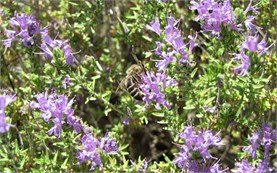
point(24, 28)
point(48, 45)
point(214, 14)
point(57, 108)
point(197, 143)
point(250, 44)
point(5, 100)
point(152, 86)
point(92, 146)
point(241, 69)
point(266, 137)
point(174, 39)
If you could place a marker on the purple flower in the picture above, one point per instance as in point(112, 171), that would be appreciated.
point(214, 14)
point(154, 26)
point(24, 27)
point(184, 58)
point(56, 108)
point(249, 24)
point(144, 166)
point(126, 120)
point(254, 139)
point(251, 44)
point(198, 142)
point(89, 153)
point(152, 86)
point(174, 39)
point(265, 137)
point(48, 45)
point(92, 146)
point(158, 50)
point(5, 100)
point(243, 167)
point(192, 43)
point(167, 58)
point(172, 32)
point(108, 144)
point(216, 168)
point(66, 82)
point(242, 69)
point(250, 7)
point(183, 158)
point(11, 37)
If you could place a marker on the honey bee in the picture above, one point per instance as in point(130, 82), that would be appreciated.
point(132, 80)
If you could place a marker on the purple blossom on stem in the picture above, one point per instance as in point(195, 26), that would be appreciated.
point(5, 100)
point(251, 44)
point(167, 58)
point(155, 26)
point(108, 144)
point(192, 43)
point(249, 24)
point(89, 153)
point(126, 120)
point(66, 82)
point(24, 27)
point(174, 39)
point(243, 167)
point(152, 86)
point(254, 140)
point(214, 14)
point(242, 69)
point(49, 44)
point(197, 142)
point(57, 108)
point(265, 137)
point(91, 147)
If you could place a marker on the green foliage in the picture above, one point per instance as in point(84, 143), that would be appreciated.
point(105, 34)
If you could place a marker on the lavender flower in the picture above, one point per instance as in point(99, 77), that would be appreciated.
point(56, 108)
point(152, 86)
point(214, 14)
point(49, 44)
point(243, 167)
point(154, 26)
point(89, 153)
point(24, 27)
point(108, 144)
point(183, 158)
point(126, 120)
point(167, 58)
point(251, 44)
point(5, 100)
point(265, 137)
point(242, 69)
point(196, 142)
point(174, 39)
point(66, 82)
point(92, 146)
point(216, 168)
point(254, 139)
point(144, 166)
point(249, 24)
point(192, 43)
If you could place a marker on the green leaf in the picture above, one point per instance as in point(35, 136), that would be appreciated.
point(189, 107)
point(158, 114)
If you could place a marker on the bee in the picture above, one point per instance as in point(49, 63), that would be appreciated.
point(132, 80)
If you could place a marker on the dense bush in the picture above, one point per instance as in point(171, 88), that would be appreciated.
point(205, 100)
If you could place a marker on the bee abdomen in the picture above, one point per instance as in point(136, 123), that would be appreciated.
point(134, 90)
